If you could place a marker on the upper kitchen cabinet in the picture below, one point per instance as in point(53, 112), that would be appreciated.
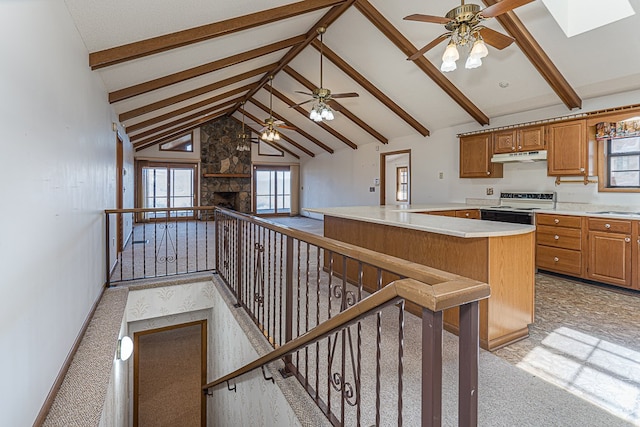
point(530, 138)
point(475, 157)
point(567, 148)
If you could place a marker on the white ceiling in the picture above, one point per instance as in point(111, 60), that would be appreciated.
point(599, 62)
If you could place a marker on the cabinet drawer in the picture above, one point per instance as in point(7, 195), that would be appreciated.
point(468, 213)
point(558, 259)
point(440, 213)
point(610, 225)
point(559, 237)
point(559, 220)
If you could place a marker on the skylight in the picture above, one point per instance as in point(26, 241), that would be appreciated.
point(579, 16)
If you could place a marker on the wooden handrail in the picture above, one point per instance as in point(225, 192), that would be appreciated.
point(437, 297)
point(138, 210)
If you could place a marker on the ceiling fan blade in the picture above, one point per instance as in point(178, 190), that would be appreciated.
point(430, 46)
point(496, 39)
point(427, 18)
point(502, 7)
point(301, 103)
point(345, 95)
point(334, 104)
point(304, 93)
point(286, 127)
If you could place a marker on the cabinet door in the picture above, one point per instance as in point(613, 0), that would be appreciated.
point(610, 258)
point(504, 141)
point(531, 139)
point(475, 157)
point(567, 148)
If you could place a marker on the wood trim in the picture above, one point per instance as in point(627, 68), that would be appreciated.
point(326, 20)
point(396, 37)
point(226, 175)
point(273, 144)
point(167, 102)
point(199, 121)
point(339, 107)
point(602, 163)
point(370, 87)
point(200, 70)
point(203, 364)
point(181, 120)
point(305, 113)
point(204, 103)
point(53, 392)
point(127, 52)
point(300, 131)
point(532, 50)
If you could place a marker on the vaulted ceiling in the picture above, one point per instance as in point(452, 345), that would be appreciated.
point(170, 66)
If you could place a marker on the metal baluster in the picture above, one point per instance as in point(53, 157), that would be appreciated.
point(378, 352)
point(155, 245)
point(318, 261)
point(177, 243)
point(329, 337)
point(400, 360)
point(298, 302)
point(306, 317)
point(289, 290)
point(359, 356)
point(187, 245)
point(144, 244)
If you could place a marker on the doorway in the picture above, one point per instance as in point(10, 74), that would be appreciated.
point(395, 178)
point(169, 370)
point(167, 185)
point(272, 190)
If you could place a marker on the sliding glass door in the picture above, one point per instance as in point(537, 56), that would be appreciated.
point(272, 195)
point(168, 186)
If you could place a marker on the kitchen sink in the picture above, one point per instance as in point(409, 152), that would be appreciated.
point(615, 213)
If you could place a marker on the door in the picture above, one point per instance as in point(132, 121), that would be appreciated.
point(168, 186)
point(272, 190)
point(567, 148)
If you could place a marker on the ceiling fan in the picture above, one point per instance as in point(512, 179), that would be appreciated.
point(322, 108)
point(464, 28)
point(270, 126)
point(245, 138)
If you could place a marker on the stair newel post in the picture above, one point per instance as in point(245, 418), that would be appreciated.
point(431, 368)
point(239, 252)
point(469, 349)
point(288, 325)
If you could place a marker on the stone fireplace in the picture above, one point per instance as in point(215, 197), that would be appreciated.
point(226, 172)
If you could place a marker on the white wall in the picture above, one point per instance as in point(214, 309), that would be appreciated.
point(344, 178)
point(57, 175)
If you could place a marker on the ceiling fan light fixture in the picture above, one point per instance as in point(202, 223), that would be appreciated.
point(479, 49)
point(472, 62)
point(314, 115)
point(448, 66)
point(450, 53)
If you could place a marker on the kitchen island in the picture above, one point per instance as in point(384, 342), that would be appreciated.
point(500, 254)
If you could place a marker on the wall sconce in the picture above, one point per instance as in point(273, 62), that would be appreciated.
point(125, 348)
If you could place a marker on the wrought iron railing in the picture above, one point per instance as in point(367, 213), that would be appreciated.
point(158, 242)
point(336, 315)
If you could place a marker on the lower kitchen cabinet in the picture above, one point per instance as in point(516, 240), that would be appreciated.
point(610, 251)
point(460, 213)
point(559, 241)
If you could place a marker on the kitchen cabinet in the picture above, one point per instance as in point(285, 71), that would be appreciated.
point(559, 241)
point(440, 213)
point(567, 148)
point(468, 213)
point(610, 251)
point(530, 138)
point(475, 157)
point(635, 255)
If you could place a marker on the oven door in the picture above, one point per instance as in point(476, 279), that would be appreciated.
point(517, 217)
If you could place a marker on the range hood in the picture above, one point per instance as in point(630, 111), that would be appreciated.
point(525, 156)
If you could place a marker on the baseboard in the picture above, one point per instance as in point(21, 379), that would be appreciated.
point(48, 402)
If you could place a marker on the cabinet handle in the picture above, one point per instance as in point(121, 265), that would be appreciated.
point(581, 169)
point(556, 259)
point(519, 147)
point(607, 226)
point(467, 214)
point(556, 220)
point(488, 172)
point(556, 237)
point(627, 239)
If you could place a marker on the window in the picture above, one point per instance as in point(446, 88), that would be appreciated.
point(167, 186)
point(272, 189)
point(402, 184)
point(623, 162)
point(183, 144)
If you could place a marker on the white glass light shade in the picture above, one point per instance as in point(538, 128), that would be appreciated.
point(472, 62)
point(125, 348)
point(265, 135)
point(276, 136)
point(329, 114)
point(479, 49)
point(448, 66)
point(450, 53)
point(314, 115)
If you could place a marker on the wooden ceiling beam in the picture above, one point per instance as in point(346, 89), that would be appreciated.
point(139, 49)
point(396, 37)
point(200, 70)
point(168, 135)
point(370, 87)
point(532, 50)
point(300, 131)
point(339, 107)
point(282, 135)
point(322, 124)
point(273, 144)
point(326, 20)
point(181, 120)
point(188, 108)
point(128, 115)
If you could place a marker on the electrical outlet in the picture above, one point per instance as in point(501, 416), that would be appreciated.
point(441, 175)
point(489, 191)
point(372, 189)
